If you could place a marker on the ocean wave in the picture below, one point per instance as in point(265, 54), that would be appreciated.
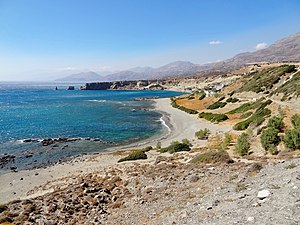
point(96, 100)
point(163, 122)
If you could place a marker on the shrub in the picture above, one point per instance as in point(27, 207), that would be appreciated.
point(232, 100)
point(147, 149)
point(135, 155)
point(269, 140)
point(176, 146)
point(158, 145)
point(202, 134)
point(245, 115)
point(296, 121)
point(213, 117)
point(186, 141)
point(256, 119)
point(221, 99)
point(3, 208)
point(175, 105)
point(212, 157)
point(292, 138)
point(227, 140)
point(243, 108)
point(202, 96)
point(243, 145)
point(276, 122)
point(217, 105)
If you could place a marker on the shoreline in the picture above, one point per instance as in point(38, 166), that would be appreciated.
point(19, 185)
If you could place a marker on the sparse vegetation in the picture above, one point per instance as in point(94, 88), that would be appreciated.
point(202, 134)
point(291, 166)
point(202, 95)
point(256, 119)
point(260, 103)
point(265, 79)
point(213, 117)
point(243, 145)
point(290, 88)
point(212, 157)
point(135, 155)
point(226, 142)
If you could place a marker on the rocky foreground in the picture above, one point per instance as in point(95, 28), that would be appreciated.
point(168, 190)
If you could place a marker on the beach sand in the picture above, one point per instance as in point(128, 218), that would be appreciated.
point(27, 183)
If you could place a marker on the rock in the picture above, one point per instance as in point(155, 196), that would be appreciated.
point(263, 194)
point(194, 178)
point(160, 159)
point(250, 219)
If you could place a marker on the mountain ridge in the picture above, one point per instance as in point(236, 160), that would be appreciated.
point(283, 50)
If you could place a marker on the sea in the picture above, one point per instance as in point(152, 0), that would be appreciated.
point(86, 121)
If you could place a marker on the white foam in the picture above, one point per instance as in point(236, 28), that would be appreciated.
point(97, 100)
point(164, 123)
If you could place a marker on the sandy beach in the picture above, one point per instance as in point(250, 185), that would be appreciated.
point(28, 183)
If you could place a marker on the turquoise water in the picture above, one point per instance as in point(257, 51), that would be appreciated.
point(40, 112)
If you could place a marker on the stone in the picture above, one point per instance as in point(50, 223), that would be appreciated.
point(263, 194)
point(250, 219)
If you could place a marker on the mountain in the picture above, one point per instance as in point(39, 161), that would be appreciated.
point(178, 68)
point(284, 50)
point(124, 75)
point(82, 77)
point(146, 69)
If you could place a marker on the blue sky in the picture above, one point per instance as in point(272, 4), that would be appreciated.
point(43, 37)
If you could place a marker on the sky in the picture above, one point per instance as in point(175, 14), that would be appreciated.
point(41, 39)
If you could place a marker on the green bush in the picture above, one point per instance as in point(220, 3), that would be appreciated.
point(276, 122)
point(243, 145)
point(226, 142)
point(175, 105)
point(202, 96)
point(135, 155)
point(221, 99)
point(186, 141)
point(176, 146)
point(202, 134)
point(256, 119)
point(270, 139)
point(147, 149)
point(258, 104)
point(241, 109)
point(245, 115)
point(212, 157)
point(296, 120)
point(232, 100)
point(217, 105)
point(292, 138)
point(213, 117)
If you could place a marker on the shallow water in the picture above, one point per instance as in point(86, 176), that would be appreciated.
point(37, 111)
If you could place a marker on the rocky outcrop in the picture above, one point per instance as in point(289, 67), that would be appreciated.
point(125, 85)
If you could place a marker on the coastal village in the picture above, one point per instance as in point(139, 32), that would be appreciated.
point(231, 156)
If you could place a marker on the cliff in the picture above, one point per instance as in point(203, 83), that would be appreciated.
point(125, 85)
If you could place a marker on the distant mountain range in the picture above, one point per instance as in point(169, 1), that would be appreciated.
point(286, 49)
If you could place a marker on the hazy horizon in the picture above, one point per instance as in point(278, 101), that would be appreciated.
point(44, 40)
